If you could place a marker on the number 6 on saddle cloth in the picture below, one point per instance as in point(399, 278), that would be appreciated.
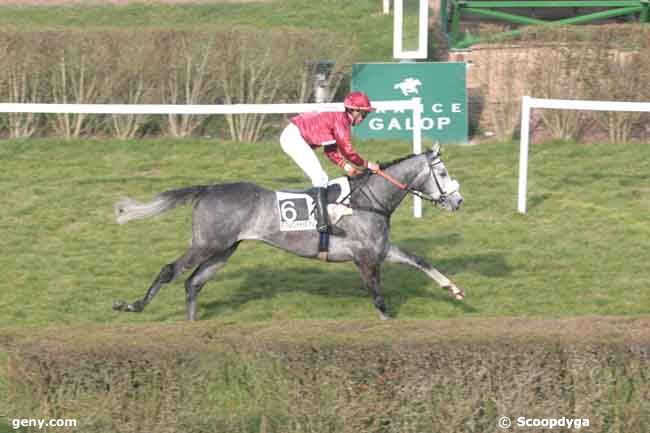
point(297, 209)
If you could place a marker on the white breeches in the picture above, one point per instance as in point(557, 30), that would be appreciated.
point(297, 148)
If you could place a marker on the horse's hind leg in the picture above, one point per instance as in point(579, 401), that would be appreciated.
point(396, 255)
point(370, 272)
point(201, 275)
point(167, 274)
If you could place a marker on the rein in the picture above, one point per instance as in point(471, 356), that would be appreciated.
point(407, 188)
point(368, 193)
point(399, 185)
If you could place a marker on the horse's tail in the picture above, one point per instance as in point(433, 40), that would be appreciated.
point(127, 209)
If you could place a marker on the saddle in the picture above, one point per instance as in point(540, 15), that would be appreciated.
point(296, 209)
point(335, 191)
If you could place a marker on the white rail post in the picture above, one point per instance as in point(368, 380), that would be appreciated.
point(523, 154)
point(386, 7)
point(417, 146)
point(529, 103)
point(398, 31)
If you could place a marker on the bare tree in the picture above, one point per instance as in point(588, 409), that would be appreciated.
point(78, 77)
point(619, 76)
point(559, 71)
point(270, 67)
point(132, 81)
point(502, 79)
point(250, 73)
point(187, 78)
point(20, 82)
point(598, 62)
point(22, 89)
point(232, 66)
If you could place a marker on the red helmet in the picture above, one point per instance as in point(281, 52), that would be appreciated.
point(358, 101)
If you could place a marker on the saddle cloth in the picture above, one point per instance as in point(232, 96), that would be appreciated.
point(296, 207)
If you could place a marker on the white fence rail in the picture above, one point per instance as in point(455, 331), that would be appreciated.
point(414, 105)
point(193, 109)
point(528, 104)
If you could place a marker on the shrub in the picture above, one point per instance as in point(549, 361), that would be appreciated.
point(592, 62)
point(572, 62)
point(218, 66)
point(434, 376)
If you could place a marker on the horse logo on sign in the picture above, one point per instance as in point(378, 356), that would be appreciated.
point(408, 86)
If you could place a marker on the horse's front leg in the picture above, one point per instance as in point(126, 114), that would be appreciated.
point(370, 272)
point(396, 255)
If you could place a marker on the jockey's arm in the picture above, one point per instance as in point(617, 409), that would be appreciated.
point(344, 147)
point(335, 156)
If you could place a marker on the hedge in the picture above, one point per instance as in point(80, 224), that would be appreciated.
point(405, 376)
point(206, 66)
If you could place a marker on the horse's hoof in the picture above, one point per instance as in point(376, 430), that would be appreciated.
point(456, 293)
point(136, 307)
point(384, 316)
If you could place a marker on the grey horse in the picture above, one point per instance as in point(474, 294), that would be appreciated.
point(226, 214)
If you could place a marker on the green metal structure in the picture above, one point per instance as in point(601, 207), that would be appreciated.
point(494, 9)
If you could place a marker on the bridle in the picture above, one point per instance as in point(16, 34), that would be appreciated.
point(432, 161)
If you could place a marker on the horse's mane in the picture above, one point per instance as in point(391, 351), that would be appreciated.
point(382, 165)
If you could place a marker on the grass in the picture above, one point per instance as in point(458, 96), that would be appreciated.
point(579, 251)
point(4, 425)
point(361, 20)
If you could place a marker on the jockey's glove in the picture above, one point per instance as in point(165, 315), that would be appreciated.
point(372, 166)
point(350, 169)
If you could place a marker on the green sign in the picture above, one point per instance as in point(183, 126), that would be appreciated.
point(441, 87)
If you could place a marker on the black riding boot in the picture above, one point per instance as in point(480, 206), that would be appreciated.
point(322, 217)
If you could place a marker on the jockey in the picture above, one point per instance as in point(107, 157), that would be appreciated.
point(331, 130)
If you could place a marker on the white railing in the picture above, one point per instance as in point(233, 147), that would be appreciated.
point(414, 105)
point(529, 103)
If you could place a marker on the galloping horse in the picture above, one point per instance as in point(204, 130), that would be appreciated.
point(226, 214)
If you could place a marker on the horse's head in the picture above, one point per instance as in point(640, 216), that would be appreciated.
point(438, 185)
point(423, 175)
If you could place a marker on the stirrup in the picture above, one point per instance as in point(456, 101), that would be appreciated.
point(336, 231)
point(332, 230)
